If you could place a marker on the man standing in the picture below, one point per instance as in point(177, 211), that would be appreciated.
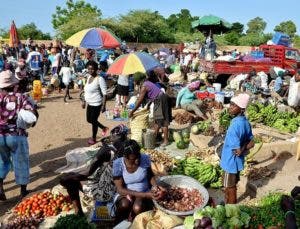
point(34, 60)
point(238, 141)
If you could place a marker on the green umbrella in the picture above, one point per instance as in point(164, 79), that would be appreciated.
point(211, 23)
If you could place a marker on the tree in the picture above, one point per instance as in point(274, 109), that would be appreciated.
point(287, 27)
point(252, 39)
point(4, 33)
point(256, 26)
point(181, 22)
point(76, 16)
point(237, 28)
point(144, 26)
point(232, 38)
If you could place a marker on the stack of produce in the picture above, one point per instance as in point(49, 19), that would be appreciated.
point(270, 116)
point(183, 118)
point(204, 127)
point(228, 216)
point(207, 174)
point(181, 199)
point(182, 138)
point(224, 119)
point(266, 212)
point(43, 204)
point(160, 157)
point(73, 221)
point(24, 222)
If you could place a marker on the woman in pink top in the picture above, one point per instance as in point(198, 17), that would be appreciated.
point(162, 107)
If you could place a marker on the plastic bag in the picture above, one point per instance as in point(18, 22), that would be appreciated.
point(25, 119)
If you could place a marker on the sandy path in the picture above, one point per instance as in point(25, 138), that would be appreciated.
point(61, 127)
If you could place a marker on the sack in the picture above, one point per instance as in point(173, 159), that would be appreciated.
point(138, 122)
point(155, 220)
point(25, 119)
point(294, 93)
point(54, 80)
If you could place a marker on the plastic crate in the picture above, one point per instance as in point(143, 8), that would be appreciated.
point(257, 54)
point(281, 39)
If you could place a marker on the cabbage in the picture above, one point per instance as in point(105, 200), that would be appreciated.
point(199, 214)
point(195, 129)
point(216, 222)
point(209, 211)
point(188, 222)
point(232, 210)
point(245, 218)
point(234, 222)
point(220, 212)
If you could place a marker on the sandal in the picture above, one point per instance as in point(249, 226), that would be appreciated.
point(104, 131)
point(91, 141)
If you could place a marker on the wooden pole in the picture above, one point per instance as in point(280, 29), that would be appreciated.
point(298, 151)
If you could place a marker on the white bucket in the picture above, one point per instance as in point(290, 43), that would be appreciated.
point(219, 97)
point(217, 87)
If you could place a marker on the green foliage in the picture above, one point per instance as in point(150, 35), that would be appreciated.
point(256, 26)
point(252, 39)
point(296, 41)
point(73, 222)
point(144, 26)
point(4, 33)
point(237, 28)
point(30, 30)
point(188, 37)
point(287, 27)
point(74, 17)
point(232, 38)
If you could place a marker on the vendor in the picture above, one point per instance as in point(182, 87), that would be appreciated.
point(100, 176)
point(133, 178)
point(187, 100)
point(238, 141)
point(279, 86)
point(162, 107)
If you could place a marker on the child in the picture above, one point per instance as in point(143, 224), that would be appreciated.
point(122, 90)
point(66, 74)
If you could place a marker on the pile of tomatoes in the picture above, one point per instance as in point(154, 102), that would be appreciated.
point(43, 204)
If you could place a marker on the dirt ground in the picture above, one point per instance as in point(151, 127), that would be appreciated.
point(60, 127)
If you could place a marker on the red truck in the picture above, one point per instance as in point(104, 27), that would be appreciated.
point(281, 56)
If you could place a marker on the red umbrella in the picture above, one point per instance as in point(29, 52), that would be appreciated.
point(13, 36)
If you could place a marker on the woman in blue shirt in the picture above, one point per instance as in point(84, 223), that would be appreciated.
point(133, 178)
point(187, 100)
point(238, 142)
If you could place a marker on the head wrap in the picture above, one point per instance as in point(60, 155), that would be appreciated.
point(194, 85)
point(241, 100)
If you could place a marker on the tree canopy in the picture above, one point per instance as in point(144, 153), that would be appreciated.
point(287, 27)
point(74, 17)
point(256, 26)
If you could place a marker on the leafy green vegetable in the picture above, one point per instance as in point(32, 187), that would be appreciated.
point(232, 210)
point(73, 222)
point(188, 222)
point(245, 218)
point(234, 222)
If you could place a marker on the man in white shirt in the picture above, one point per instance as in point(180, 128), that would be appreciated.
point(34, 60)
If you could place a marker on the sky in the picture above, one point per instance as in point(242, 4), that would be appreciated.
point(273, 12)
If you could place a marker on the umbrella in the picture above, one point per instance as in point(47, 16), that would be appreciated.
point(94, 38)
point(133, 62)
point(13, 36)
point(211, 23)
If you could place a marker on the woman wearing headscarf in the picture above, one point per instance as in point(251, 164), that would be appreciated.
point(13, 140)
point(187, 100)
point(162, 107)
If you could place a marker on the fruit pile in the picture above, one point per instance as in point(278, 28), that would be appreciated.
point(43, 204)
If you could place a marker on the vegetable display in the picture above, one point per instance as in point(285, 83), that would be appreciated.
point(266, 212)
point(204, 127)
point(181, 199)
point(205, 173)
point(24, 222)
point(43, 205)
point(270, 116)
point(73, 222)
point(160, 157)
point(228, 216)
point(224, 119)
point(182, 139)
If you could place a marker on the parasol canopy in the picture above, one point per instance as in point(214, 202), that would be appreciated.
point(133, 62)
point(94, 38)
point(211, 23)
point(13, 36)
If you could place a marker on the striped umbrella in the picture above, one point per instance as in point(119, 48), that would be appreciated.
point(133, 62)
point(13, 36)
point(94, 38)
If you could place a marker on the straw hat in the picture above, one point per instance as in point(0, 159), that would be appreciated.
point(7, 79)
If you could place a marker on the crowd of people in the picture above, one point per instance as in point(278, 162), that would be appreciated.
point(59, 67)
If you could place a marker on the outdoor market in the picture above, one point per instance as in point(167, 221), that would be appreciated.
point(192, 135)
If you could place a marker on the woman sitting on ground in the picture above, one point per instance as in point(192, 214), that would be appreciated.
point(133, 178)
point(187, 100)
